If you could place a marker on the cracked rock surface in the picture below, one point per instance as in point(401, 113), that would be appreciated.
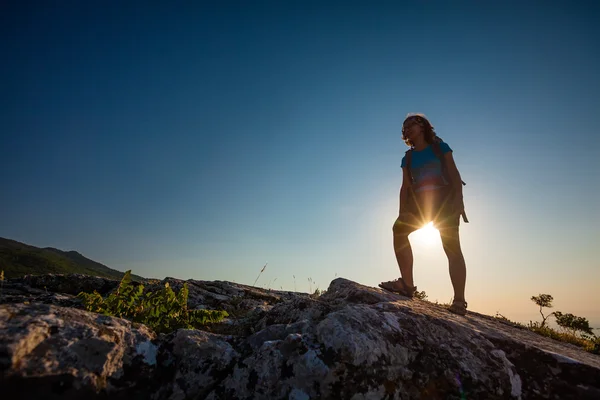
point(353, 342)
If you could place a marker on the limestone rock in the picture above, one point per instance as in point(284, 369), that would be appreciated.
point(194, 363)
point(353, 342)
point(57, 352)
point(70, 283)
point(15, 291)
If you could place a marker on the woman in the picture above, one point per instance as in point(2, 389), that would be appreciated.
point(431, 191)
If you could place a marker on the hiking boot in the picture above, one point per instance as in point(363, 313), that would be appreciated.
point(458, 307)
point(399, 286)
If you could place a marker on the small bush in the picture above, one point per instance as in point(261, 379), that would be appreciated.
point(420, 295)
point(593, 344)
point(162, 310)
point(573, 324)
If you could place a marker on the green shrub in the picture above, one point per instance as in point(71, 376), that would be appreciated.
point(572, 323)
point(593, 344)
point(162, 310)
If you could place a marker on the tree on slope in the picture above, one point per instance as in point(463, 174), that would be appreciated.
point(543, 300)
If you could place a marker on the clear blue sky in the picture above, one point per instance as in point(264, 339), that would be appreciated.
point(205, 141)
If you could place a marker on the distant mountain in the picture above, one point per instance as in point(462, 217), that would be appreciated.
point(18, 259)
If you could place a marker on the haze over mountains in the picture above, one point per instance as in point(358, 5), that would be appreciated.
point(18, 259)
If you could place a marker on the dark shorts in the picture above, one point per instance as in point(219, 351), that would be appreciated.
point(428, 206)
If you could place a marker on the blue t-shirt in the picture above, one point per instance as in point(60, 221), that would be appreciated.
point(426, 168)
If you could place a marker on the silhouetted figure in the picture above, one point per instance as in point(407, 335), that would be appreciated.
point(431, 192)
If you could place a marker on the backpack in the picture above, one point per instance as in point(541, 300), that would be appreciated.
point(437, 150)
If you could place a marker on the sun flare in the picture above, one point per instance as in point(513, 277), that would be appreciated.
point(427, 234)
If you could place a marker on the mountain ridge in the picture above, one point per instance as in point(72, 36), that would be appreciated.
point(18, 259)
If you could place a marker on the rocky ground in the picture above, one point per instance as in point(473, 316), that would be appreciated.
point(353, 342)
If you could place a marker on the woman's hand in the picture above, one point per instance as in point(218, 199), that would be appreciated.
point(459, 205)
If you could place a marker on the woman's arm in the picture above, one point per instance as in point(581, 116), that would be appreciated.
point(453, 173)
point(456, 182)
point(405, 189)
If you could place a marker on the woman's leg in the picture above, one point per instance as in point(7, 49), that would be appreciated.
point(456, 261)
point(404, 225)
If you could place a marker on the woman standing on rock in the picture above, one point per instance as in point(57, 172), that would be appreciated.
point(431, 192)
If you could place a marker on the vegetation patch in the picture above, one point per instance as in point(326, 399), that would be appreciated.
point(572, 329)
point(163, 310)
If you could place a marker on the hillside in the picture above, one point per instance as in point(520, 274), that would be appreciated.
point(18, 259)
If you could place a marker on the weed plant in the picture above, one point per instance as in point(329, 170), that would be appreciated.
point(163, 310)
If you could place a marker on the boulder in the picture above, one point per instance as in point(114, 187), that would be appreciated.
point(53, 352)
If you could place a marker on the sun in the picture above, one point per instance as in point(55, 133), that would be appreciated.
point(427, 235)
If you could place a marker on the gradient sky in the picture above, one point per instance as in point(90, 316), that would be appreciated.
point(205, 141)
